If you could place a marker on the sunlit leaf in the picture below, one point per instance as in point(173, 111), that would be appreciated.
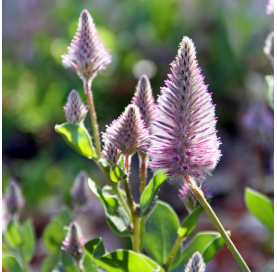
point(78, 138)
point(117, 174)
point(120, 260)
point(151, 191)
point(261, 207)
point(161, 228)
point(53, 236)
point(116, 216)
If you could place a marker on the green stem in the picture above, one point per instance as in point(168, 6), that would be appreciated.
point(143, 170)
point(93, 120)
point(199, 195)
point(117, 192)
point(135, 235)
point(173, 252)
point(25, 267)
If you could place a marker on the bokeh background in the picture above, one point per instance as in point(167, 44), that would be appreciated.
point(143, 37)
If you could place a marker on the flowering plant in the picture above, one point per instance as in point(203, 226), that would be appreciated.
point(175, 137)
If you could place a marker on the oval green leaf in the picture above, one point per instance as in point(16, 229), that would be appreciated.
point(13, 235)
point(151, 191)
point(161, 228)
point(28, 237)
point(78, 138)
point(11, 264)
point(190, 222)
point(261, 207)
point(117, 174)
point(89, 265)
point(53, 236)
point(116, 216)
point(206, 243)
point(120, 260)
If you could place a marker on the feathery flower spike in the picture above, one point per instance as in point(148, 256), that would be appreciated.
point(73, 243)
point(14, 198)
point(128, 132)
point(86, 53)
point(189, 199)
point(79, 191)
point(144, 99)
point(184, 138)
point(111, 153)
point(75, 110)
point(196, 263)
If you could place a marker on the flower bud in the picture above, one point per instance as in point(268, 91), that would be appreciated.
point(79, 191)
point(73, 243)
point(75, 110)
point(196, 263)
point(14, 198)
point(111, 153)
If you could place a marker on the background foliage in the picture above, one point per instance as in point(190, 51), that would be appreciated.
point(229, 37)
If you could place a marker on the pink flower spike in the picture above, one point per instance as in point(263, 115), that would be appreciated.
point(184, 118)
point(86, 53)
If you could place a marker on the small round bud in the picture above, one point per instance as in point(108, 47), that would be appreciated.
point(131, 227)
point(137, 209)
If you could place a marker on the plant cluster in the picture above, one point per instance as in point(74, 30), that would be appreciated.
point(175, 137)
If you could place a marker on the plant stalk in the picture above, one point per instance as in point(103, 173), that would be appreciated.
point(135, 235)
point(200, 197)
point(173, 252)
point(93, 116)
point(143, 170)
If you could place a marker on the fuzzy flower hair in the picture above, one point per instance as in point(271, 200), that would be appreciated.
point(111, 153)
point(128, 132)
point(73, 243)
point(14, 198)
point(75, 110)
point(86, 53)
point(188, 197)
point(144, 99)
point(79, 190)
point(184, 138)
point(196, 263)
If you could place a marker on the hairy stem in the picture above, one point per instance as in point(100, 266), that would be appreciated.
point(200, 196)
point(173, 252)
point(93, 120)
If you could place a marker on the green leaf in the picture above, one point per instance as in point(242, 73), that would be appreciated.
point(151, 191)
point(117, 174)
point(89, 265)
point(269, 90)
point(103, 164)
point(120, 260)
point(206, 243)
point(116, 216)
point(13, 235)
point(161, 232)
point(261, 207)
point(78, 138)
point(190, 222)
point(28, 237)
point(67, 263)
point(11, 264)
point(53, 236)
point(49, 262)
point(121, 161)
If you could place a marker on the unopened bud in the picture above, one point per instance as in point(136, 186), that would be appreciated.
point(137, 209)
point(79, 191)
point(73, 243)
point(196, 263)
point(131, 227)
point(14, 198)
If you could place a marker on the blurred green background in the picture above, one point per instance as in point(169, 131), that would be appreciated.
point(143, 36)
